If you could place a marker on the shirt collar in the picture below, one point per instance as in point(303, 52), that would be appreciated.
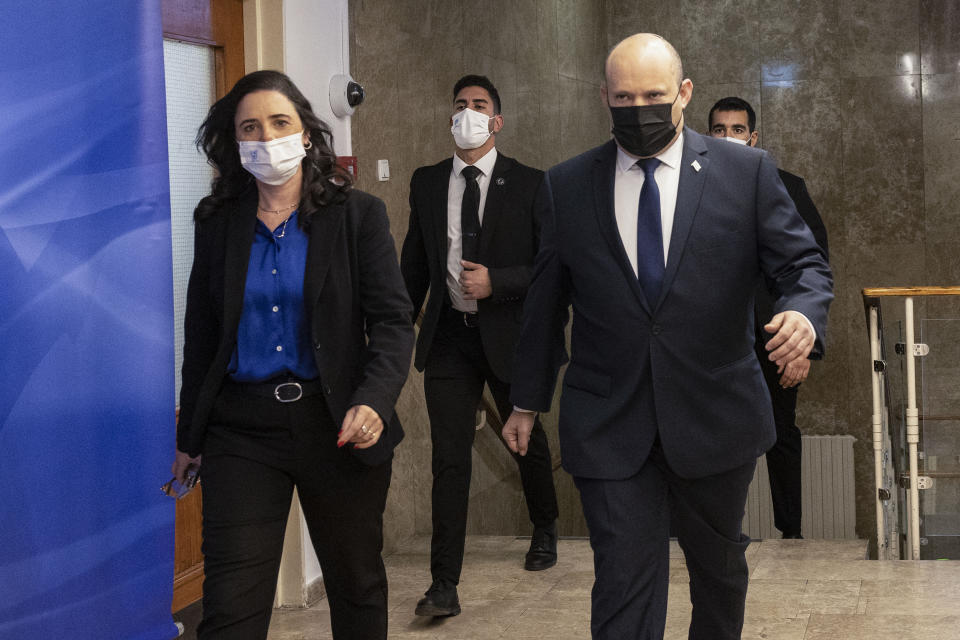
point(485, 164)
point(671, 157)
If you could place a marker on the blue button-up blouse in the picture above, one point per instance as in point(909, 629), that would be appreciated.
point(273, 337)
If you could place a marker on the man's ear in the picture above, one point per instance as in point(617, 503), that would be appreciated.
point(685, 92)
point(496, 123)
point(752, 140)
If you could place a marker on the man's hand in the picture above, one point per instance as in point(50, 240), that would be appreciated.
point(792, 341)
point(475, 281)
point(516, 432)
point(795, 372)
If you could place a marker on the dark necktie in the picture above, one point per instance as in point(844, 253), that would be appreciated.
point(649, 235)
point(470, 215)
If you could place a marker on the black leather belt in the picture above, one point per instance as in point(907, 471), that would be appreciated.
point(280, 389)
point(467, 318)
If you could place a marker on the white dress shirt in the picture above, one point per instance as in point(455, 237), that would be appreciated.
point(458, 184)
point(627, 183)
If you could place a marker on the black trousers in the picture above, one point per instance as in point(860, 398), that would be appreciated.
point(455, 373)
point(630, 522)
point(784, 458)
point(257, 450)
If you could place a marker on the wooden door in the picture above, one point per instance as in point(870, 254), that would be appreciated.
point(218, 26)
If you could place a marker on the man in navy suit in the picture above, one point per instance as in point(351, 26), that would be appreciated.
point(734, 119)
point(657, 240)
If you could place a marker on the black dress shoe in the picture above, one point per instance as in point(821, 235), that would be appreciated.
point(543, 549)
point(440, 601)
point(792, 536)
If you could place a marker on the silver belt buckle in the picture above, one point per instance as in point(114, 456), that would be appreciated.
point(296, 385)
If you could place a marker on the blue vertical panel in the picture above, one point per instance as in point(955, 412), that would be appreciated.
point(86, 323)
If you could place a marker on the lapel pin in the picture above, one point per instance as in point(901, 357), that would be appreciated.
point(501, 182)
point(695, 165)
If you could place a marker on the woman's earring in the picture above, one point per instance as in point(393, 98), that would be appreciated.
point(309, 145)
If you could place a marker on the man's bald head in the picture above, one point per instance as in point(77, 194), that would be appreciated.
point(644, 71)
point(644, 48)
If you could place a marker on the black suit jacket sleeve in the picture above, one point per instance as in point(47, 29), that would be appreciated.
point(511, 283)
point(201, 333)
point(386, 312)
point(414, 263)
point(797, 188)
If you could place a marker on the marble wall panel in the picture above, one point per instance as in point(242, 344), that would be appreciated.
point(627, 17)
point(941, 150)
point(802, 130)
point(526, 143)
point(591, 41)
point(570, 133)
point(595, 124)
point(720, 41)
point(939, 36)
point(799, 39)
point(882, 150)
point(881, 37)
point(567, 25)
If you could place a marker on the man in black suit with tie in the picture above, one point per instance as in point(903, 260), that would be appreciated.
point(735, 120)
point(656, 240)
point(471, 244)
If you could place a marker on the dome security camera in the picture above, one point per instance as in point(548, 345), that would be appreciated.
point(345, 95)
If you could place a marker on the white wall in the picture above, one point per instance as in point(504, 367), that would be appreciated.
point(316, 46)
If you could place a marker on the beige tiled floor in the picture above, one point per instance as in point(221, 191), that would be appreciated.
point(799, 590)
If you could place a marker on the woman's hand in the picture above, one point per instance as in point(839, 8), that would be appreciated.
point(182, 463)
point(361, 426)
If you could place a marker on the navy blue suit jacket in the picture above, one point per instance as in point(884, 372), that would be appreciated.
point(682, 365)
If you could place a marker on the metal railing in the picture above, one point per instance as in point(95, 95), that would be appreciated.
point(896, 424)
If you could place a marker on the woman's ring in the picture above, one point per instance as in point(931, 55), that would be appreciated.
point(363, 428)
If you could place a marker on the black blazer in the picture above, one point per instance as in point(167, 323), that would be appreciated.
point(683, 365)
point(509, 237)
point(357, 306)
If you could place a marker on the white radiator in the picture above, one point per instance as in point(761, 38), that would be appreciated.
point(828, 494)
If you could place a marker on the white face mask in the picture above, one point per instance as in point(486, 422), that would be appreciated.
point(273, 162)
point(470, 129)
point(735, 140)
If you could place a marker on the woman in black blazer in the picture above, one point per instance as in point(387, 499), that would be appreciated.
point(297, 343)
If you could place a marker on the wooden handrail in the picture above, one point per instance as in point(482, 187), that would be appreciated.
point(880, 292)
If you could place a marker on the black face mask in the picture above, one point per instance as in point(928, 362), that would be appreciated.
point(644, 130)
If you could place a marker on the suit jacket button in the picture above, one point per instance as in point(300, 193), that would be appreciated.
point(326, 389)
point(655, 330)
point(317, 346)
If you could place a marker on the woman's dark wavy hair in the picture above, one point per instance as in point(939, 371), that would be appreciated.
point(324, 181)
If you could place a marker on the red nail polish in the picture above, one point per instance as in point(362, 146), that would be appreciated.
point(340, 444)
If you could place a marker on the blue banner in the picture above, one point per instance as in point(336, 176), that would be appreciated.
point(86, 323)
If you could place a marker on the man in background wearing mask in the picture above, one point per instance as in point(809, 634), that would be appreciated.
point(471, 244)
point(657, 239)
point(734, 120)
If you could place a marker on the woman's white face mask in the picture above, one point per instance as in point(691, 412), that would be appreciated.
point(273, 162)
point(470, 129)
